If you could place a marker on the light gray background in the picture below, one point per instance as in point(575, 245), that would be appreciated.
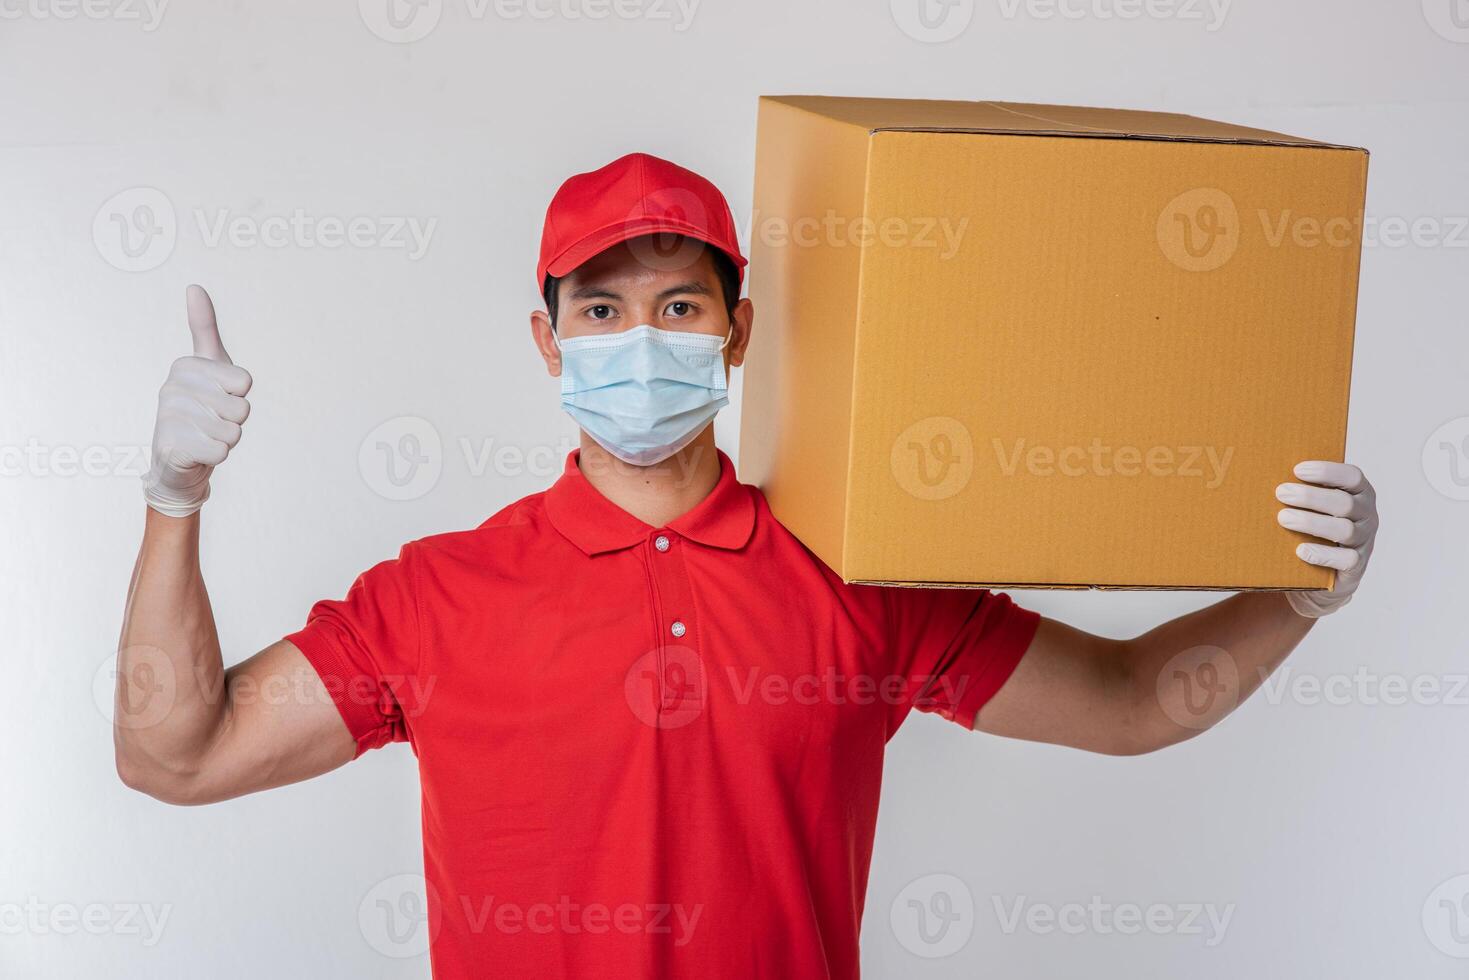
point(1328, 824)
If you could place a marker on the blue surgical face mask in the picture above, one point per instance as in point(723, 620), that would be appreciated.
point(643, 393)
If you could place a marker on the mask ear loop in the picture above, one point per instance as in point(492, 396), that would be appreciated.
point(728, 337)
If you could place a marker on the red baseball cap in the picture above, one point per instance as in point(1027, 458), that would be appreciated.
point(632, 196)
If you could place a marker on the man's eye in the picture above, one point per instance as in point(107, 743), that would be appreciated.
point(680, 308)
point(602, 312)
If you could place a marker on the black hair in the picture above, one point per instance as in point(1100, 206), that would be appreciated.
point(724, 269)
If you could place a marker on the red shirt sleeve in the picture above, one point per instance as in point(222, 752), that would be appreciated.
point(957, 647)
point(365, 647)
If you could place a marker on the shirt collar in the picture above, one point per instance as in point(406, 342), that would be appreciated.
point(723, 519)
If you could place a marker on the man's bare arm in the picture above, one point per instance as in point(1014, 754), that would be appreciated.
point(187, 730)
point(1126, 697)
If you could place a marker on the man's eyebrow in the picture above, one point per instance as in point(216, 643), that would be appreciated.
point(691, 286)
point(593, 292)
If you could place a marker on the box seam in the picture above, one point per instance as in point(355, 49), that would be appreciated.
point(856, 360)
point(1141, 137)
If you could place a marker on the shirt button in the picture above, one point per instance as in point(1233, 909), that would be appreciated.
point(678, 628)
point(661, 542)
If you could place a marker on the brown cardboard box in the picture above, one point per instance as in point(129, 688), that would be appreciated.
point(1040, 346)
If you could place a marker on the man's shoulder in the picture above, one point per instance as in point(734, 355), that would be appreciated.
point(526, 513)
point(511, 528)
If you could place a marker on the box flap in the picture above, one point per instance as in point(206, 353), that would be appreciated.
point(1027, 119)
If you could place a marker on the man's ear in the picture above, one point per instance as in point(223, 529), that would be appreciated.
point(742, 321)
point(545, 338)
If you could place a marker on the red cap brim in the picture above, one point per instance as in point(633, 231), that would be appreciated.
point(602, 239)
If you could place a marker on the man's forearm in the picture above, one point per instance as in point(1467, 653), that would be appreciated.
point(169, 669)
point(1189, 673)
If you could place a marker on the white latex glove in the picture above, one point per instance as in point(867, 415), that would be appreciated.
point(1340, 507)
point(200, 409)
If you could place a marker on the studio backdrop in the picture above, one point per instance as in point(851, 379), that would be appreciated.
point(361, 189)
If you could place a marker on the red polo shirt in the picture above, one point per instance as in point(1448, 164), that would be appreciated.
point(647, 752)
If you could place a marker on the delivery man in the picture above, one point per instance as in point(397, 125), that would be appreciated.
point(649, 723)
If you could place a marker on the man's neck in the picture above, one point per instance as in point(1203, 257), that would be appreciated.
point(656, 494)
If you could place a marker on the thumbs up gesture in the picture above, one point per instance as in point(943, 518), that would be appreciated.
point(200, 410)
